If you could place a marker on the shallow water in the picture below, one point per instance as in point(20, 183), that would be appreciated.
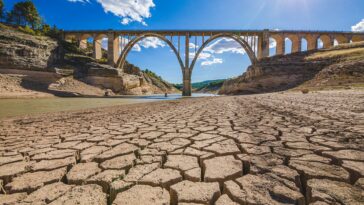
point(19, 107)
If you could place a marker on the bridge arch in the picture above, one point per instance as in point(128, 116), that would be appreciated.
point(83, 40)
point(288, 44)
point(304, 44)
point(357, 38)
point(326, 41)
point(341, 39)
point(280, 44)
point(236, 38)
point(97, 45)
point(121, 61)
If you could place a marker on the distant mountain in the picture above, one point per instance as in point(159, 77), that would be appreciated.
point(207, 86)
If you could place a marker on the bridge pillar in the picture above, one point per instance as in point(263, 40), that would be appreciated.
point(296, 45)
point(82, 41)
point(281, 46)
point(357, 38)
point(113, 48)
point(311, 42)
point(97, 50)
point(187, 88)
point(263, 44)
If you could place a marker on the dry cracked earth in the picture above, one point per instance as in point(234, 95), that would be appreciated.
point(262, 149)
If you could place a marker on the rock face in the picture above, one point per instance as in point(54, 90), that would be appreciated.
point(339, 66)
point(26, 52)
point(21, 52)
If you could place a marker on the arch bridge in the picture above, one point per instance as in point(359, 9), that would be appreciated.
point(187, 45)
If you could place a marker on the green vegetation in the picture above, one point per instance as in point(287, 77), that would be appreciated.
point(24, 14)
point(204, 84)
point(1, 10)
point(25, 18)
point(152, 74)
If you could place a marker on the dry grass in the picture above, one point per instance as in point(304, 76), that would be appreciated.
point(345, 54)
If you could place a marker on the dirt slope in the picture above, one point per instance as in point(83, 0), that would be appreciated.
point(338, 67)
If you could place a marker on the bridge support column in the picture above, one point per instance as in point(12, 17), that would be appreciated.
point(296, 45)
point(311, 42)
point(281, 46)
point(263, 44)
point(187, 88)
point(97, 50)
point(113, 48)
point(82, 42)
point(357, 38)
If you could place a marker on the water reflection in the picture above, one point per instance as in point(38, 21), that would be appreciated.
point(17, 107)
point(169, 97)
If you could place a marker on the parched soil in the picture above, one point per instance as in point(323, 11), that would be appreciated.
point(262, 149)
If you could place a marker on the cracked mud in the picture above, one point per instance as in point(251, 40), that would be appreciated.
point(262, 149)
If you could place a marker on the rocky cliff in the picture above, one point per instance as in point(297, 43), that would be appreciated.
point(24, 56)
point(341, 66)
point(25, 52)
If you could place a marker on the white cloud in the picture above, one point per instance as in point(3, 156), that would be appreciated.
point(225, 45)
point(128, 10)
point(192, 46)
point(152, 42)
point(211, 62)
point(202, 56)
point(272, 43)
point(359, 27)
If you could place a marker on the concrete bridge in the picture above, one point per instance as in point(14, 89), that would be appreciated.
point(255, 43)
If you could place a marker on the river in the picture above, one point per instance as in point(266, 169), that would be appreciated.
point(19, 107)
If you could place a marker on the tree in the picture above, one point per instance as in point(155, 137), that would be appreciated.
point(31, 14)
point(46, 28)
point(24, 13)
point(1, 9)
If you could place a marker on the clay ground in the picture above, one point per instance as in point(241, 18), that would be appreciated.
point(261, 149)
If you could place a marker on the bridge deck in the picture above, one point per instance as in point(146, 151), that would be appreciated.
point(210, 31)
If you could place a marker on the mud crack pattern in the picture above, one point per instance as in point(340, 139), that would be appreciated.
point(262, 149)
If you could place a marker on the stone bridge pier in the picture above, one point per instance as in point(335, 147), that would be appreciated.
point(188, 45)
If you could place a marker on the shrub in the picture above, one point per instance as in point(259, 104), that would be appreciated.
point(102, 61)
point(305, 91)
point(27, 30)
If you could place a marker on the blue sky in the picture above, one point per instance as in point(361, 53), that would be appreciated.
point(338, 15)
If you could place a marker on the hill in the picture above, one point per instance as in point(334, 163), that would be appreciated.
point(339, 67)
point(207, 86)
point(39, 64)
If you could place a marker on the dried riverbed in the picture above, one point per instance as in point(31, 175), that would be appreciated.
point(261, 149)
